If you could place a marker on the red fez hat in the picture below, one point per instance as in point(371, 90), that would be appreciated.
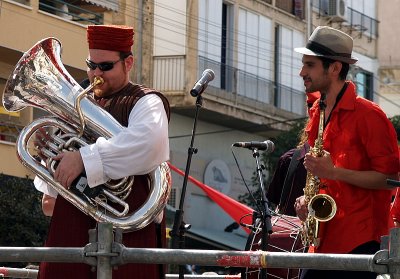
point(110, 37)
point(312, 97)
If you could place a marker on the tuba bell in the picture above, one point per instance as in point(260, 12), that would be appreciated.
point(40, 80)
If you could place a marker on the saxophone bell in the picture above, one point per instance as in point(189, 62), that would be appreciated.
point(322, 207)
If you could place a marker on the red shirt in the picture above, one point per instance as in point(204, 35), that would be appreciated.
point(358, 136)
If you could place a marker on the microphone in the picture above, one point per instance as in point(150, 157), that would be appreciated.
point(393, 183)
point(267, 145)
point(207, 76)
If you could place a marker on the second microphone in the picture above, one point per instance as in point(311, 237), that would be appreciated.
point(267, 145)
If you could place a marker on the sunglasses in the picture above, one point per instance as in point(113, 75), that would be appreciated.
point(103, 66)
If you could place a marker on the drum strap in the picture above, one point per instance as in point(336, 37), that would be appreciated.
point(287, 184)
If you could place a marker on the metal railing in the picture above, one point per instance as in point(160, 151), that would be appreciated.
point(9, 131)
point(254, 87)
point(356, 21)
point(105, 254)
point(290, 99)
point(169, 76)
point(7, 272)
point(169, 73)
point(362, 23)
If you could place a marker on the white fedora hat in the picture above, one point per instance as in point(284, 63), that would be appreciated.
point(331, 43)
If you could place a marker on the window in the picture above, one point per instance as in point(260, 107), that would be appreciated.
point(294, 7)
point(23, 2)
point(79, 11)
point(364, 83)
point(210, 37)
point(227, 73)
point(288, 94)
point(255, 56)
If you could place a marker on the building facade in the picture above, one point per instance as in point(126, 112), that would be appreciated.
point(389, 58)
point(255, 95)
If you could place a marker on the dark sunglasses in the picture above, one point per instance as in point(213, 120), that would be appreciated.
point(103, 66)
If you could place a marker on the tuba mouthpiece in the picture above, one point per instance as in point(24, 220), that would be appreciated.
point(97, 81)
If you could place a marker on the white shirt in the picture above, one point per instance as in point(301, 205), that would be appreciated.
point(138, 149)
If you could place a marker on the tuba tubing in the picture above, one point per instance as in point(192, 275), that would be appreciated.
point(40, 80)
point(136, 221)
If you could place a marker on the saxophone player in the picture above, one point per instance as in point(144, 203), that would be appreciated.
point(359, 153)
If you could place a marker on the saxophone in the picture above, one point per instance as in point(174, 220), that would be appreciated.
point(321, 207)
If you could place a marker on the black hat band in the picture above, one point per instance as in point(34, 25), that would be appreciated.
point(318, 48)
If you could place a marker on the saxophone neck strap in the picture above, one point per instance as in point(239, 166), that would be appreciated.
point(339, 96)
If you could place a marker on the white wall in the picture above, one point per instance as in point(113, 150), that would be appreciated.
point(199, 210)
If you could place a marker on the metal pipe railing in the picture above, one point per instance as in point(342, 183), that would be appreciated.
point(114, 254)
point(8, 272)
point(18, 272)
point(173, 276)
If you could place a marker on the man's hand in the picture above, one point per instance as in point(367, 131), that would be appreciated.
point(301, 208)
point(48, 204)
point(322, 167)
point(40, 140)
point(70, 166)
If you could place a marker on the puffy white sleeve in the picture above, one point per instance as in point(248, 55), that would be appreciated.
point(45, 188)
point(138, 149)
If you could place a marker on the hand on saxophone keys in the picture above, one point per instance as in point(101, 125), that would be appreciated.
point(301, 209)
point(70, 166)
point(321, 167)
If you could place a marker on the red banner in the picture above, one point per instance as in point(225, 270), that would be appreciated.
point(232, 207)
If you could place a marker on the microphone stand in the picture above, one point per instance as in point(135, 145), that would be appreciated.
point(179, 228)
point(265, 215)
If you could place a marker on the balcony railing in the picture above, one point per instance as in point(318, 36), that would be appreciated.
point(363, 23)
point(169, 76)
point(355, 20)
point(9, 131)
point(253, 87)
point(169, 73)
point(71, 12)
point(290, 99)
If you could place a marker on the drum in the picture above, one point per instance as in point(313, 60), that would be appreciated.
point(284, 238)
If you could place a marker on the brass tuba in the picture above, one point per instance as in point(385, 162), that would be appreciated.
point(321, 207)
point(41, 80)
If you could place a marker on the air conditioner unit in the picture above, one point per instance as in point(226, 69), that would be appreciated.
point(335, 10)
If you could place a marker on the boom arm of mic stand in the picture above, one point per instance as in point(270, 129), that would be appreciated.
point(179, 228)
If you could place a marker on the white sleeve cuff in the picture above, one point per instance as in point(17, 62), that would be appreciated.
point(45, 188)
point(93, 165)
